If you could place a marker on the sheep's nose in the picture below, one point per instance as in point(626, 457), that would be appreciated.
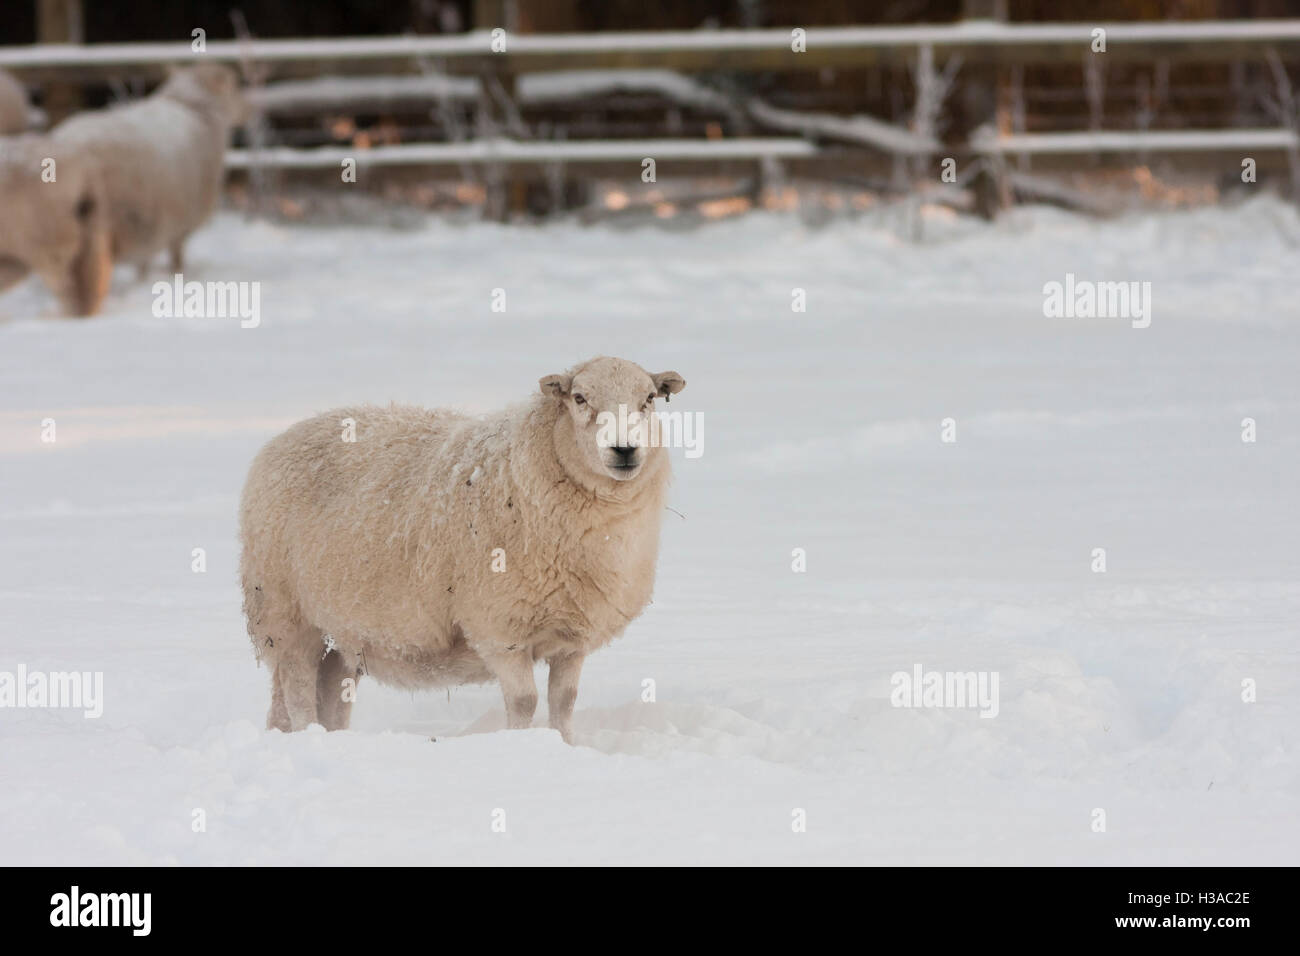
point(624, 453)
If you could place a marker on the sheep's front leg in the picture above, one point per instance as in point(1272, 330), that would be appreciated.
point(11, 272)
point(562, 692)
point(514, 671)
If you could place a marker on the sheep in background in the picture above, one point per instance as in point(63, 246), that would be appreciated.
point(54, 222)
point(161, 159)
point(437, 549)
point(15, 114)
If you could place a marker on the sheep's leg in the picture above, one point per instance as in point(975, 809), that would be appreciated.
point(562, 692)
point(278, 716)
point(11, 272)
point(333, 699)
point(514, 671)
point(82, 285)
point(177, 252)
point(293, 696)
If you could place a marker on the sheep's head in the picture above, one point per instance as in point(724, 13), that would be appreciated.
point(603, 423)
point(54, 222)
point(210, 86)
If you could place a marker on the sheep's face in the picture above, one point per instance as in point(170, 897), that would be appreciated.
point(213, 85)
point(606, 404)
point(54, 223)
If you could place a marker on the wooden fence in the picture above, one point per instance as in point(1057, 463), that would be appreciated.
point(489, 73)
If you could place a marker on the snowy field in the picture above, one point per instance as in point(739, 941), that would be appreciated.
point(1120, 691)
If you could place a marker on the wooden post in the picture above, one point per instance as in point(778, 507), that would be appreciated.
point(262, 182)
point(502, 191)
point(60, 21)
point(490, 14)
point(1285, 105)
point(984, 10)
point(515, 17)
point(979, 100)
point(1011, 109)
point(547, 16)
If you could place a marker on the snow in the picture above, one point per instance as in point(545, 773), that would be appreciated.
point(857, 129)
point(1119, 691)
point(530, 88)
point(331, 92)
point(535, 88)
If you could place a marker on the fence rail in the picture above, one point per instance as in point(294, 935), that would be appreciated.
point(1139, 141)
point(513, 151)
point(976, 41)
point(537, 71)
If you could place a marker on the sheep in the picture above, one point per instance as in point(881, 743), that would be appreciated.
point(54, 222)
point(437, 549)
point(15, 117)
point(162, 159)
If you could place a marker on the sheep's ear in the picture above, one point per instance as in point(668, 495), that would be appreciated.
point(556, 385)
point(668, 383)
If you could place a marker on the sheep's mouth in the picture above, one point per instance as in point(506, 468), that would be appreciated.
point(623, 472)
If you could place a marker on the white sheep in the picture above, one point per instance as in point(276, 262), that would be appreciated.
point(53, 222)
point(15, 115)
point(161, 159)
point(437, 549)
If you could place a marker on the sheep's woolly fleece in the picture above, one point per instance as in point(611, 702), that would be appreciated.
point(161, 159)
point(430, 548)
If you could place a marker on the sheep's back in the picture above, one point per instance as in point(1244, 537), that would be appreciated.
point(338, 524)
point(398, 537)
point(162, 168)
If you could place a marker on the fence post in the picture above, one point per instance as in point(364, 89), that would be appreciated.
point(60, 21)
point(980, 111)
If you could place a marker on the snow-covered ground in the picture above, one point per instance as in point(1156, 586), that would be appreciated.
point(1120, 691)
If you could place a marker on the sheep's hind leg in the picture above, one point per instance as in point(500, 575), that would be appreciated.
point(11, 272)
point(293, 693)
point(514, 671)
point(334, 697)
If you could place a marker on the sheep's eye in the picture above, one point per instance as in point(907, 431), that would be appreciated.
point(579, 400)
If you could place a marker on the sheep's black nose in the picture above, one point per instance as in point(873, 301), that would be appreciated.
point(624, 453)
